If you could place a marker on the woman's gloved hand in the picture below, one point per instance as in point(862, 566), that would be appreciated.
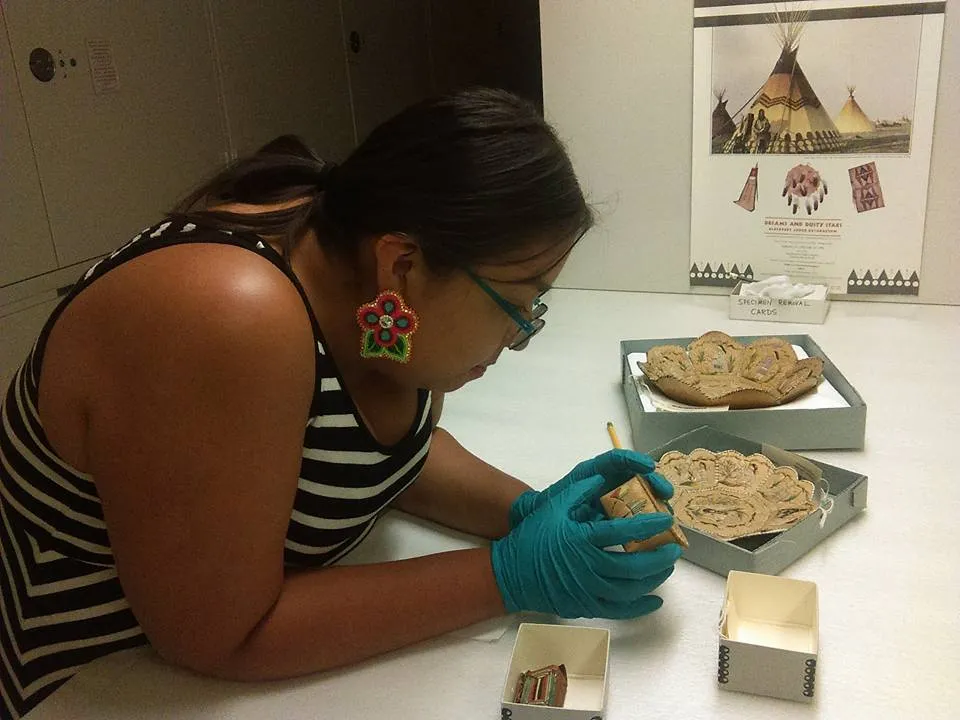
point(554, 563)
point(614, 466)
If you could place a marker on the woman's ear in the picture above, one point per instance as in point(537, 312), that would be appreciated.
point(396, 256)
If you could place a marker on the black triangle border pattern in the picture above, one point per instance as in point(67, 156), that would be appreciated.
point(885, 283)
point(705, 275)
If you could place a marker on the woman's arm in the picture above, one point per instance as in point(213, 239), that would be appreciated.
point(338, 616)
point(198, 368)
point(461, 491)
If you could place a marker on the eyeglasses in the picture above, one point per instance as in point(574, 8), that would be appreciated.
point(527, 327)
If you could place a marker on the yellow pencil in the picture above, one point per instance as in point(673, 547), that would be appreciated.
point(612, 431)
point(675, 534)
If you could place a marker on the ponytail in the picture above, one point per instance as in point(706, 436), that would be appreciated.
point(281, 171)
point(475, 177)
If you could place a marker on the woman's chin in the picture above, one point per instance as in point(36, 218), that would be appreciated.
point(455, 383)
point(476, 372)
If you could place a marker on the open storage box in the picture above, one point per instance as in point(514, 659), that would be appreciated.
point(810, 309)
point(769, 636)
point(585, 652)
point(847, 496)
point(789, 426)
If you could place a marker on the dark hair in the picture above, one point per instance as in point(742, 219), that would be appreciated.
point(472, 176)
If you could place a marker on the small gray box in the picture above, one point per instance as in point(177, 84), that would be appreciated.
point(768, 554)
point(791, 429)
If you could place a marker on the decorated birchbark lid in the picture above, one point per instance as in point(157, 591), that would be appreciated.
point(716, 370)
point(728, 495)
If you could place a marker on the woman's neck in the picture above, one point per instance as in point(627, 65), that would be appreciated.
point(334, 292)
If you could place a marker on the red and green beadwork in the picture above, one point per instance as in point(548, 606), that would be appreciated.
point(387, 325)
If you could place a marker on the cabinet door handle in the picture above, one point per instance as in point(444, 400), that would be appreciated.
point(355, 42)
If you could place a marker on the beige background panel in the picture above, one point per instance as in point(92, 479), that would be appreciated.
point(617, 83)
point(941, 240)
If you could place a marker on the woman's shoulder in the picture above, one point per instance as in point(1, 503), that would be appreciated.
point(216, 288)
point(200, 329)
point(184, 310)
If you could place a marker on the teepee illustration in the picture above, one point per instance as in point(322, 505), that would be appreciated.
point(852, 119)
point(748, 196)
point(786, 116)
point(723, 126)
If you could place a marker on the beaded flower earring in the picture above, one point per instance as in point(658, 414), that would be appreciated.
point(387, 325)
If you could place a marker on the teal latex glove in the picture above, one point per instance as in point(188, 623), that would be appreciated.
point(554, 563)
point(615, 466)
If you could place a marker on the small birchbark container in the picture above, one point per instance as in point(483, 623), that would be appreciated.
point(635, 497)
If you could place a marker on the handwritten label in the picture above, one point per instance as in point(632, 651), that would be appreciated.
point(771, 307)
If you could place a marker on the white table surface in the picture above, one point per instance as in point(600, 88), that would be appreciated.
point(889, 581)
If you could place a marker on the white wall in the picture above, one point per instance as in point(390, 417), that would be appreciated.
point(617, 84)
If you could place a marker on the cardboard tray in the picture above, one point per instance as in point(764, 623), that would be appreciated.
point(791, 429)
point(769, 554)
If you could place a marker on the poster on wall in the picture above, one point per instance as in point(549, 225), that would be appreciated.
point(812, 133)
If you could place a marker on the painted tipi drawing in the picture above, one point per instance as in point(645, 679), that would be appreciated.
point(852, 119)
point(785, 115)
point(722, 125)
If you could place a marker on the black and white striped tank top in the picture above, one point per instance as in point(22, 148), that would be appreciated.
point(62, 605)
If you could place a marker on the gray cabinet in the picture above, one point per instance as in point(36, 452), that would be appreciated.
point(111, 111)
point(388, 56)
point(129, 118)
point(26, 248)
point(486, 42)
point(20, 323)
point(283, 70)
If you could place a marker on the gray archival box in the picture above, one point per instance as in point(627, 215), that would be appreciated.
point(790, 429)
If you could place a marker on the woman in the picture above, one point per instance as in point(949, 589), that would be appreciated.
point(220, 410)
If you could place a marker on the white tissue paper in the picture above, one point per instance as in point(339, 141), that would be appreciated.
point(778, 286)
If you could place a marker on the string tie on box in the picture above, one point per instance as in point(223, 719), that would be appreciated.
point(825, 502)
